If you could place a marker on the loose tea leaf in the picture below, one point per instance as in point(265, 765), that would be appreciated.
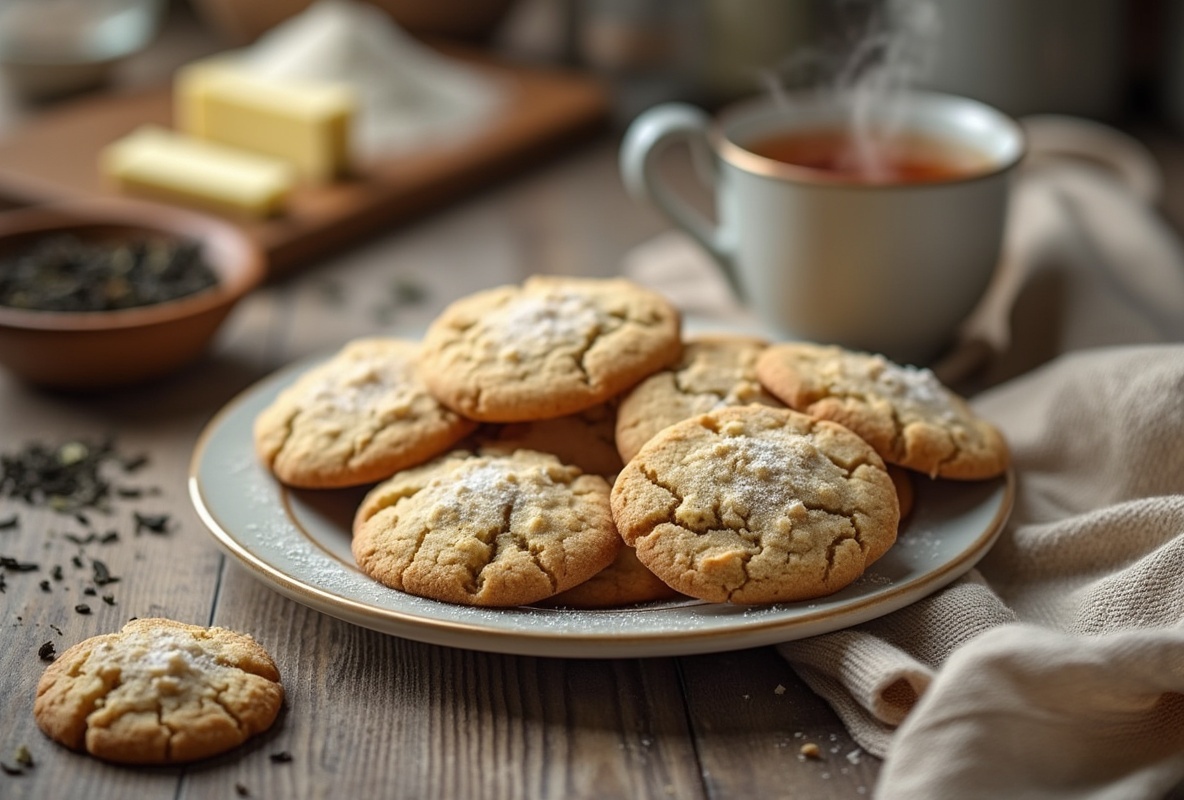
point(82, 608)
point(8, 523)
point(12, 565)
point(154, 523)
point(65, 478)
point(103, 575)
point(47, 652)
point(65, 273)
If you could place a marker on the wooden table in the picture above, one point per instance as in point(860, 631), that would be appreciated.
point(370, 715)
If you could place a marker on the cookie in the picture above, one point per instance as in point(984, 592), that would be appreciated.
point(905, 413)
point(906, 493)
point(586, 439)
point(714, 371)
point(159, 692)
point(550, 347)
point(624, 582)
point(751, 504)
point(357, 418)
point(486, 528)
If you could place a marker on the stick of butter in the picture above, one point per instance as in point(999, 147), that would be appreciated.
point(173, 166)
point(305, 122)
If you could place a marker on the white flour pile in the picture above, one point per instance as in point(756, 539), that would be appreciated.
point(408, 94)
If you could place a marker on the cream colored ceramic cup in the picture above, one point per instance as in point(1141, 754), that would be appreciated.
point(890, 268)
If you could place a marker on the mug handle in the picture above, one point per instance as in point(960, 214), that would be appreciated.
point(647, 136)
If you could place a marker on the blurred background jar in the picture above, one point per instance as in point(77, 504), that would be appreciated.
point(1033, 56)
point(54, 47)
point(1022, 56)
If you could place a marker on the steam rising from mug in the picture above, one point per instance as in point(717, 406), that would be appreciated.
point(879, 53)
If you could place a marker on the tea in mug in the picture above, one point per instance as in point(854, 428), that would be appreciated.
point(901, 158)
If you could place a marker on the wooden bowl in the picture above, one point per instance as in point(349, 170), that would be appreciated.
point(104, 349)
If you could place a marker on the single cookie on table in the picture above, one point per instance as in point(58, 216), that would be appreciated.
point(486, 529)
point(357, 418)
point(625, 582)
point(752, 504)
point(714, 370)
point(550, 347)
point(905, 413)
point(159, 692)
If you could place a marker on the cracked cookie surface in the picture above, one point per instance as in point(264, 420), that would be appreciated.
point(905, 413)
point(159, 692)
point(550, 347)
point(357, 418)
point(714, 371)
point(752, 504)
point(486, 528)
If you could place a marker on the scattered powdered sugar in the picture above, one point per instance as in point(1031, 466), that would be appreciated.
point(756, 471)
point(915, 385)
point(919, 539)
point(366, 384)
point(540, 323)
point(476, 492)
point(147, 655)
point(872, 579)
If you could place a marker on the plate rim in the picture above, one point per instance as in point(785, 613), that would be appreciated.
point(543, 641)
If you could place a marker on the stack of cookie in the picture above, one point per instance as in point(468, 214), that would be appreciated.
point(559, 442)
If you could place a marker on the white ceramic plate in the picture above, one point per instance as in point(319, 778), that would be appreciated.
point(298, 543)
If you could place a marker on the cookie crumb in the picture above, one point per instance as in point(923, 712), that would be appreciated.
point(810, 750)
point(780, 690)
point(855, 756)
point(24, 757)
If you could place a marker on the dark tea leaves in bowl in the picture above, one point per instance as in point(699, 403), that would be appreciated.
point(67, 273)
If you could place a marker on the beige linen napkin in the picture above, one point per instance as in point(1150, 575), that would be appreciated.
point(1056, 669)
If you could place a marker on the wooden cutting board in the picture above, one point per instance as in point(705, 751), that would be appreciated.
point(55, 157)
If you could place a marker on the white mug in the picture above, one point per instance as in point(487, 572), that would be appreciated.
point(890, 267)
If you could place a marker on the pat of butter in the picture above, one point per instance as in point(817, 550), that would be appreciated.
point(173, 166)
point(304, 122)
